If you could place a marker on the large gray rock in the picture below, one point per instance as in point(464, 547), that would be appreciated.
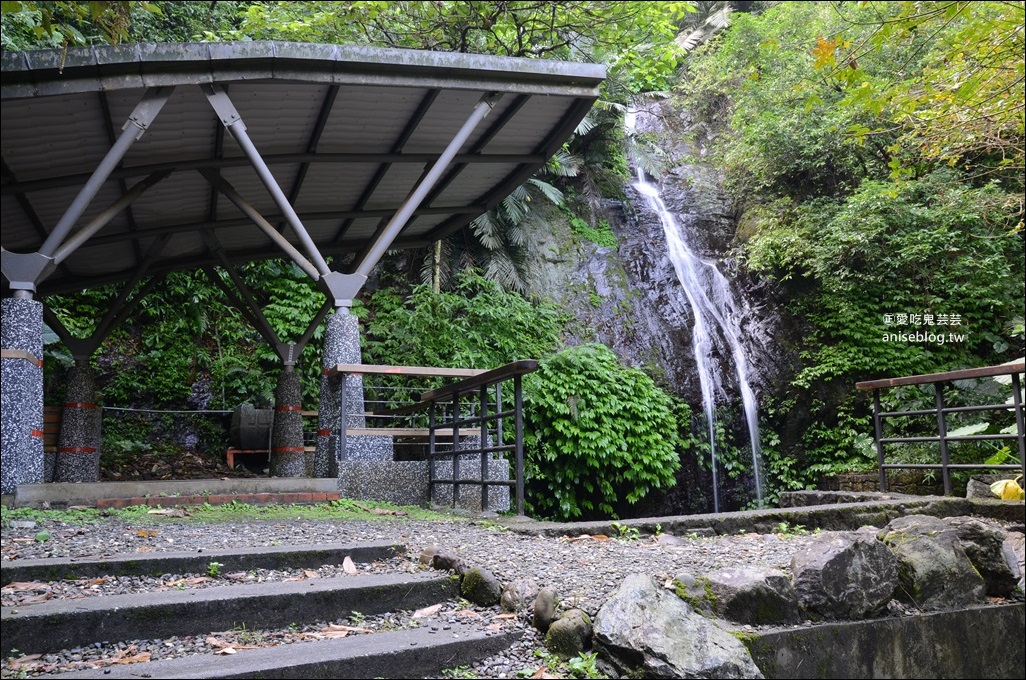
point(989, 550)
point(646, 631)
point(844, 575)
point(933, 570)
point(755, 596)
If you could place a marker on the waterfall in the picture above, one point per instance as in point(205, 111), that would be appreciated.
point(714, 310)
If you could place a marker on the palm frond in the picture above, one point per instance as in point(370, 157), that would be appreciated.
point(488, 230)
point(545, 189)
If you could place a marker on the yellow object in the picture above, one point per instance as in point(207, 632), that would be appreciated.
point(1008, 489)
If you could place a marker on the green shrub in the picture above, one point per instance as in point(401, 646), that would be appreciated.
point(598, 435)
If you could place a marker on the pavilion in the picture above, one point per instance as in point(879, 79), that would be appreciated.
point(117, 169)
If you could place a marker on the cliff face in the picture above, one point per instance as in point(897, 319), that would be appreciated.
point(629, 297)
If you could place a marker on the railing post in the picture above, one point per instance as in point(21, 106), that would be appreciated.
point(484, 453)
point(878, 430)
point(431, 452)
point(518, 410)
point(455, 444)
point(942, 429)
point(1020, 426)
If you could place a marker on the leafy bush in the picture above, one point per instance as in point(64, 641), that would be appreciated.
point(598, 435)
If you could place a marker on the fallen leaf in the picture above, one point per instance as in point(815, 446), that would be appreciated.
point(215, 642)
point(144, 548)
point(383, 511)
point(348, 566)
point(427, 611)
point(196, 580)
point(226, 650)
point(469, 613)
point(22, 586)
point(138, 658)
point(236, 576)
point(333, 627)
point(494, 626)
point(146, 533)
point(310, 573)
point(36, 599)
point(504, 617)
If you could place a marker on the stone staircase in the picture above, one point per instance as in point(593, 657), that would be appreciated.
point(420, 649)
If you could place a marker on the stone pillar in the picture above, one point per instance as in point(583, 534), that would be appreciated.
point(78, 450)
point(287, 458)
point(342, 346)
point(21, 393)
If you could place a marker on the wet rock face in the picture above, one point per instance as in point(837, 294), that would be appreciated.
point(934, 571)
point(849, 575)
point(754, 596)
point(644, 630)
point(991, 552)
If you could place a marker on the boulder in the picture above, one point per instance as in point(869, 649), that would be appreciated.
point(519, 595)
point(481, 587)
point(754, 596)
point(844, 575)
point(696, 591)
point(569, 635)
point(646, 631)
point(989, 550)
point(933, 570)
point(544, 609)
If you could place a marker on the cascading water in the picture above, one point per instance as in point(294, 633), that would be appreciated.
point(714, 310)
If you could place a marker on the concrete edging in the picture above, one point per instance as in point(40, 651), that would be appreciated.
point(155, 564)
point(63, 624)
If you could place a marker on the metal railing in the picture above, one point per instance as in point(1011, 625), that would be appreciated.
point(940, 412)
point(456, 420)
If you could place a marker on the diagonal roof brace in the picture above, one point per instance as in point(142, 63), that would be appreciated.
point(344, 287)
point(232, 121)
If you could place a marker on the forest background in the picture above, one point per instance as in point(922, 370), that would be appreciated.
point(873, 153)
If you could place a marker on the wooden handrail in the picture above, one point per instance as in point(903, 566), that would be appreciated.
point(965, 374)
point(419, 371)
point(499, 374)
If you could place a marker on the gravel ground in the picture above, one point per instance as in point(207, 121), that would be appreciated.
point(583, 570)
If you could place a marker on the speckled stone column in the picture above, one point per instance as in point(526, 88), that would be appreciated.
point(342, 346)
point(287, 428)
point(78, 449)
point(21, 393)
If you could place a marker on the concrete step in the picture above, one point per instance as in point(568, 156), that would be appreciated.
point(240, 559)
point(412, 653)
point(57, 625)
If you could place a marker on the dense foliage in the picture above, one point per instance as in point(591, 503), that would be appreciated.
point(600, 436)
point(875, 150)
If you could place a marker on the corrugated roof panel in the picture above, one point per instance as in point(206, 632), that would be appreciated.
point(368, 119)
point(519, 134)
point(395, 186)
point(286, 127)
point(334, 186)
point(182, 131)
point(445, 118)
point(162, 203)
point(38, 134)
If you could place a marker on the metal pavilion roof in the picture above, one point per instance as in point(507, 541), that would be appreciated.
point(345, 135)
